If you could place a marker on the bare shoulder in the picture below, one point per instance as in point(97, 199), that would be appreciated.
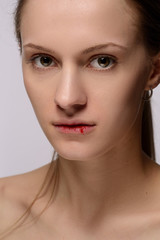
point(16, 193)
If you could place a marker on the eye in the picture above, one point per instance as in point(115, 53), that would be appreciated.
point(103, 62)
point(43, 61)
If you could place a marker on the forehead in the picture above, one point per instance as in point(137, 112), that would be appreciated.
point(75, 21)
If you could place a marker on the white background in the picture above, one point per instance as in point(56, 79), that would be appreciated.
point(23, 146)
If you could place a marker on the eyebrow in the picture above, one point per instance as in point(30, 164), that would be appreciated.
point(101, 46)
point(84, 52)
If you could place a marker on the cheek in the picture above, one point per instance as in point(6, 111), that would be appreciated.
point(119, 104)
point(119, 97)
point(40, 95)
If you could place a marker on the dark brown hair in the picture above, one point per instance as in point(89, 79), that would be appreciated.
point(149, 28)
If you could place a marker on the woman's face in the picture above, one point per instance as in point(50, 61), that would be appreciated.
point(83, 61)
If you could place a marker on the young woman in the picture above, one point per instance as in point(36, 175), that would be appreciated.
point(89, 67)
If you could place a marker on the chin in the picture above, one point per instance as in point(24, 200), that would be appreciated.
point(81, 150)
point(75, 156)
point(81, 153)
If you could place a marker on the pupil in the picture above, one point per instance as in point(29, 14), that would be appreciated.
point(103, 61)
point(46, 61)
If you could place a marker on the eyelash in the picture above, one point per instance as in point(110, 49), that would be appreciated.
point(33, 59)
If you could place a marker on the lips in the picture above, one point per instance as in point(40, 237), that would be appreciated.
point(74, 127)
point(70, 127)
point(73, 123)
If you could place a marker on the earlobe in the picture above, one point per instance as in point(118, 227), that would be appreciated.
point(147, 95)
point(154, 78)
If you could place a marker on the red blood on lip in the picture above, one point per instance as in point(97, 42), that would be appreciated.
point(82, 129)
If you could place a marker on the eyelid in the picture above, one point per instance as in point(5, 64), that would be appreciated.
point(42, 55)
point(102, 55)
point(113, 58)
point(37, 55)
point(33, 57)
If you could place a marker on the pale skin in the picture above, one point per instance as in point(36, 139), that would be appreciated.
point(109, 189)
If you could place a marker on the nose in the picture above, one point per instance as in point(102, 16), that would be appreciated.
point(70, 94)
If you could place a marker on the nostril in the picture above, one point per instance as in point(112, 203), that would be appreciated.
point(80, 107)
point(75, 106)
point(70, 97)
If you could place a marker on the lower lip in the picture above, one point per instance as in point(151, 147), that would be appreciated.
point(75, 130)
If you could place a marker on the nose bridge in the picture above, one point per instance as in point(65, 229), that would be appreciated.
point(69, 90)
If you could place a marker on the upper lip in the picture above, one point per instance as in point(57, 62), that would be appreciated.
point(73, 122)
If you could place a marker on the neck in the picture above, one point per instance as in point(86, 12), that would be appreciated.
point(105, 185)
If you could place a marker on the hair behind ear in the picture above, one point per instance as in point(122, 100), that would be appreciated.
point(147, 131)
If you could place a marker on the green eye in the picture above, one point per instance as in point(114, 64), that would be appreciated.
point(46, 61)
point(43, 61)
point(103, 62)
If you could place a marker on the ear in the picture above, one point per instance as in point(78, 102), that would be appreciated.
point(154, 78)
